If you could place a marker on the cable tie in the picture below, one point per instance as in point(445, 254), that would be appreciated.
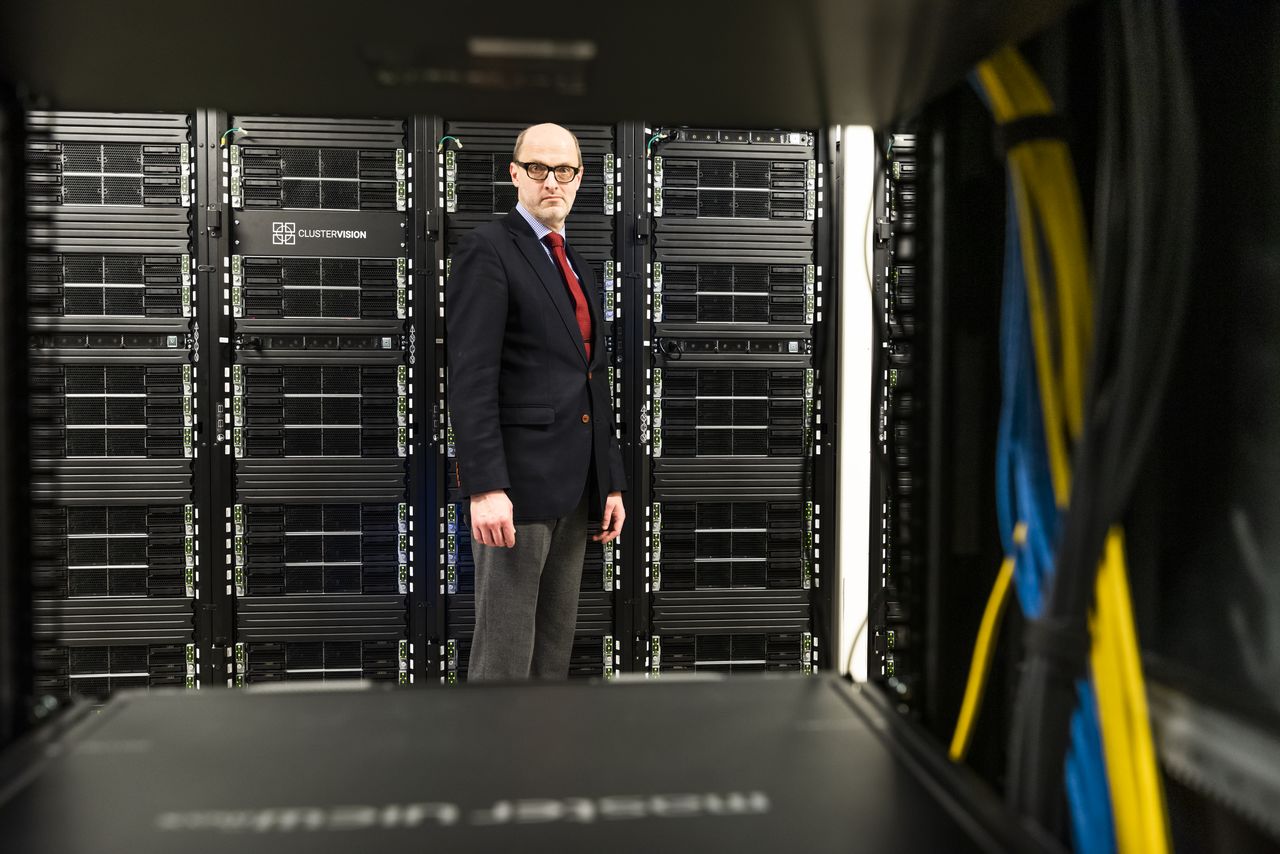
point(1041, 127)
point(1062, 642)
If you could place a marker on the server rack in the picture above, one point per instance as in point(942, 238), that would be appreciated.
point(900, 443)
point(735, 276)
point(473, 160)
point(317, 286)
point(114, 349)
point(283, 333)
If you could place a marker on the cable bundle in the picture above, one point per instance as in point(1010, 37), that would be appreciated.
point(1073, 433)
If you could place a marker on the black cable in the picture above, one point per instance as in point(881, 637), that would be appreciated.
point(1141, 305)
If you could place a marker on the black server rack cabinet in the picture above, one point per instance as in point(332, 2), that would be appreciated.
point(473, 158)
point(316, 282)
point(114, 355)
point(898, 508)
point(735, 278)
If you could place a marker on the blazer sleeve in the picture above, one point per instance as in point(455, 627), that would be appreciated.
point(617, 473)
point(475, 320)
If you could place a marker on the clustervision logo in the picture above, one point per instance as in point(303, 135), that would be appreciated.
point(284, 233)
point(393, 816)
point(287, 233)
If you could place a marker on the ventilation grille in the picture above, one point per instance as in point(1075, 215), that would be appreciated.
point(731, 653)
point(124, 550)
point(319, 178)
point(319, 288)
point(107, 411)
point(323, 661)
point(95, 672)
point(483, 183)
point(734, 188)
point(321, 548)
point(129, 285)
point(320, 411)
point(118, 173)
point(733, 412)
point(733, 293)
point(730, 544)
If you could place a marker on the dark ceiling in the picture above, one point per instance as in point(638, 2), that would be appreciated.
point(799, 63)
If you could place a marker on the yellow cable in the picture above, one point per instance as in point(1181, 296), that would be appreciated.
point(1045, 191)
point(1014, 91)
point(1145, 767)
point(1113, 721)
point(1059, 462)
point(980, 665)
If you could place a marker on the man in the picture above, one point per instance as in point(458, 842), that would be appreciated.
point(533, 426)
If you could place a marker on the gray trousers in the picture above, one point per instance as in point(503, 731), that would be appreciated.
point(527, 600)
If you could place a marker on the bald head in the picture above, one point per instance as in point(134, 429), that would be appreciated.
point(548, 200)
point(547, 132)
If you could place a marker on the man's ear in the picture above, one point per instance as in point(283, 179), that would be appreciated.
point(511, 170)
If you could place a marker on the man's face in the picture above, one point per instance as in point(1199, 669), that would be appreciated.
point(548, 200)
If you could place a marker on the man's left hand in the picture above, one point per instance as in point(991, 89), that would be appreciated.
point(611, 525)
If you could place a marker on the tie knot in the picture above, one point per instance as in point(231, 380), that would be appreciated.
point(554, 240)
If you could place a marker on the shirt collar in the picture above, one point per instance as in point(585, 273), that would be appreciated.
point(539, 230)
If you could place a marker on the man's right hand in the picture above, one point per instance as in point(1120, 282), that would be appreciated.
point(491, 523)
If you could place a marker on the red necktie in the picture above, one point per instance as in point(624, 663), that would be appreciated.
point(580, 310)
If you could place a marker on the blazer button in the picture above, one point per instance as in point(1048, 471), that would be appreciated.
point(588, 375)
point(586, 419)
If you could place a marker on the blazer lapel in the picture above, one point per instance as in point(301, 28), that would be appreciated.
point(588, 281)
point(550, 278)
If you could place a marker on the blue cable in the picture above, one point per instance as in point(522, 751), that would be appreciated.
point(1024, 492)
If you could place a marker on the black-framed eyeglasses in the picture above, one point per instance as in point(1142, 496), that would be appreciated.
point(538, 171)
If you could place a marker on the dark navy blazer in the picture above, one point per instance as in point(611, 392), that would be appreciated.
point(528, 411)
